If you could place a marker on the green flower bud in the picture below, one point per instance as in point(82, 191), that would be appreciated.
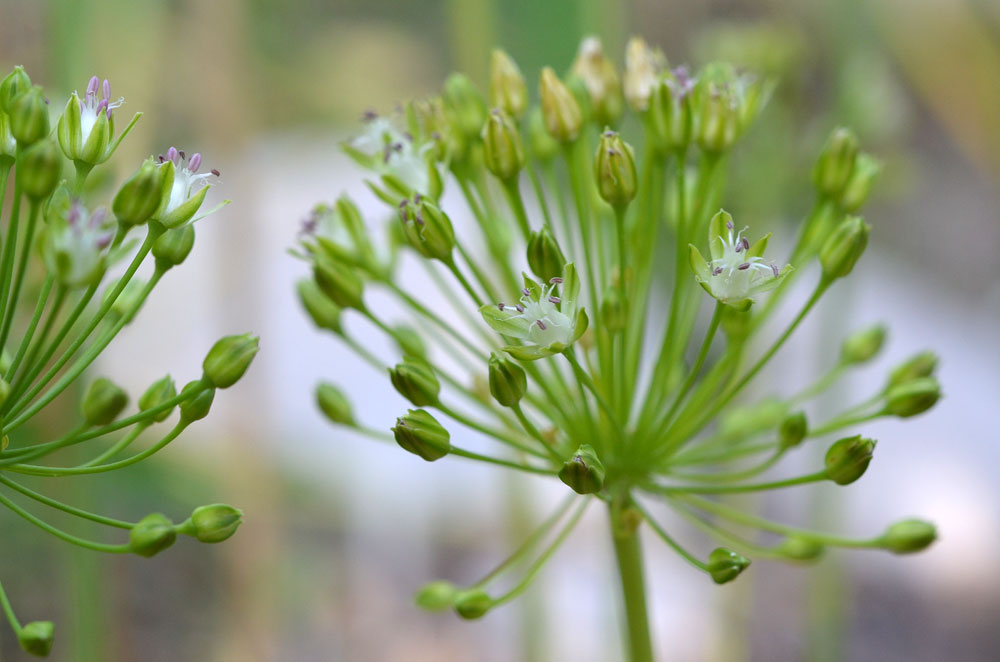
point(541, 144)
point(792, 430)
point(421, 434)
point(862, 346)
point(562, 114)
point(670, 118)
point(465, 104)
point(12, 86)
point(614, 170)
point(717, 119)
point(416, 382)
point(29, 117)
point(859, 185)
point(340, 283)
point(471, 604)
point(214, 523)
point(102, 402)
point(915, 367)
point(843, 247)
point(151, 535)
point(427, 228)
point(41, 169)
point(409, 342)
point(8, 146)
point(334, 404)
point(848, 459)
point(36, 638)
point(643, 68)
point(912, 397)
point(583, 472)
point(229, 358)
point(601, 81)
point(436, 596)
point(835, 165)
point(507, 89)
point(198, 405)
point(4, 390)
point(545, 257)
point(160, 391)
point(508, 381)
point(324, 312)
point(798, 548)
point(725, 565)
point(614, 311)
point(173, 246)
point(502, 149)
point(142, 193)
point(908, 536)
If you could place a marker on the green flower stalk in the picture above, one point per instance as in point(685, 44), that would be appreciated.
point(627, 372)
point(60, 311)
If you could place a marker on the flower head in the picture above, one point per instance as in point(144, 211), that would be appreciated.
point(75, 241)
point(389, 150)
point(86, 128)
point(188, 187)
point(736, 272)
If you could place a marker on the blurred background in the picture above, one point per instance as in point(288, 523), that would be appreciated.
point(340, 531)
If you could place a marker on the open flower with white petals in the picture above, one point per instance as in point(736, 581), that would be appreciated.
point(74, 244)
point(87, 127)
point(737, 271)
point(546, 319)
point(187, 187)
point(397, 155)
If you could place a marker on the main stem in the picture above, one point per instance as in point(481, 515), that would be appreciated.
point(628, 552)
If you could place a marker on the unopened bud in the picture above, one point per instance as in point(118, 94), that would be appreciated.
point(334, 404)
point(601, 80)
point(583, 472)
point(151, 535)
point(141, 195)
point(416, 382)
point(562, 114)
point(161, 391)
point(843, 247)
point(436, 596)
point(545, 257)
point(792, 430)
point(908, 536)
point(508, 381)
point(229, 358)
point(213, 523)
point(324, 312)
point(471, 604)
point(915, 367)
point(409, 342)
point(798, 548)
point(197, 406)
point(860, 183)
point(913, 397)
point(103, 402)
point(41, 169)
point(725, 565)
point(340, 282)
point(614, 170)
point(29, 117)
point(421, 434)
point(428, 229)
point(848, 459)
point(173, 246)
point(836, 162)
point(4, 390)
point(465, 103)
point(12, 86)
point(36, 638)
point(643, 66)
point(502, 149)
point(507, 89)
point(862, 346)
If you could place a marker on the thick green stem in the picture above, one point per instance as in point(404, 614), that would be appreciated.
point(628, 553)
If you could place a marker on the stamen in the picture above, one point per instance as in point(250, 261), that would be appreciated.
point(541, 324)
point(215, 172)
point(744, 266)
point(520, 308)
point(195, 162)
point(106, 88)
point(717, 271)
point(92, 86)
point(501, 306)
point(556, 280)
point(526, 292)
point(555, 300)
point(729, 225)
point(739, 247)
point(774, 268)
point(183, 155)
point(746, 244)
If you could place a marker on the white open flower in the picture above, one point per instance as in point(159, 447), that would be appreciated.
point(75, 243)
point(188, 187)
point(737, 271)
point(389, 150)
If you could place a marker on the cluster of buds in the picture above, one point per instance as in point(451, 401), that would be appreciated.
point(583, 388)
point(49, 343)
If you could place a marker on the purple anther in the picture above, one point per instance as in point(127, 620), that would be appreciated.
point(183, 155)
point(102, 106)
point(172, 154)
point(73, 216)
point(556, 280)
point(520, 308)
point(501, 306)
point(420, 219)
point(541, 324)
point(195, 162)
point(775, 269)
point(93, 85)
point(739, 247)
point(161, 158)
point(215, 172)
point(104, 241)
point(729, 225)
point(744, 266)
point(610, 134)
point(417, 198)
point(555, 300)
point(106, 88)
point(408, 136)
point(746, 244)
point(717, 271)
point(526, 292)
point(369, 116)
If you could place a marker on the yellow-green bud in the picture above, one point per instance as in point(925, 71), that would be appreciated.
point(471, 604)
point(173, 246)
point(102, 402)
point(670, 118)
point(792, 430)
point(643, 66)
point(142, 193)
point(860, 183)
point(836, 162)
point(507, 89)
point(843, 247)
point(214, 523)
point(862, 346)
point(908, 536)
point(912, 397)
point(151, 535)
point(416, 382)
point(436, 596)
point(229, 358)
point(541, 144)
point(41, 169)
point(29, 117)
point(915, 367)
point(427, 228)
point(848, 458)
point(8, 146)
point(502, 149)
point(601, 80)
point(4, 390)
point(334, 404)
point(409, 342)
point(583, 472)
point(421, 434)
point(159, 392)
point(324, 312)
point(798, 548)
point(36, 638)
point(614, 170)
point(560, 110)
point(508, 381)
point(725, 565)
point(340, 282)
point(198, 405)
point(13, 85)
point(545, 257)
point(465, 103)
